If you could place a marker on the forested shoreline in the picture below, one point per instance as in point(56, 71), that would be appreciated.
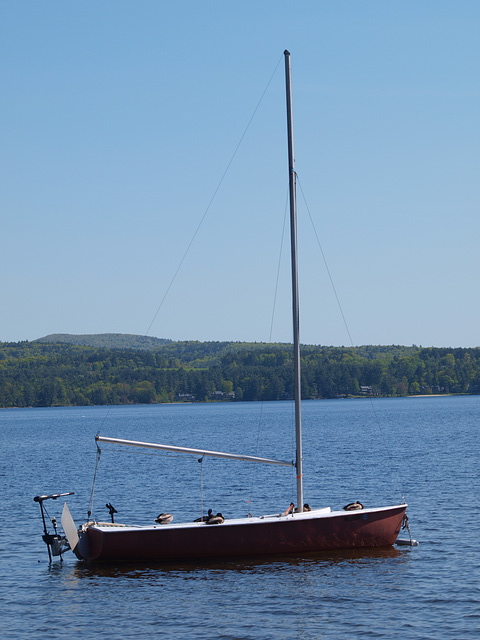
point(44, 374)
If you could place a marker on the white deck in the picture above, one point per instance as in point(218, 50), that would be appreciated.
point(325, 512)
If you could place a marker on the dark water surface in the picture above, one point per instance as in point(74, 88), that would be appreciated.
point(423, 448)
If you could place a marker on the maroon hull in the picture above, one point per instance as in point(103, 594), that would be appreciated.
point(300, 533)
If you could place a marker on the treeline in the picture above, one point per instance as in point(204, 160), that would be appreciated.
point(43, 374)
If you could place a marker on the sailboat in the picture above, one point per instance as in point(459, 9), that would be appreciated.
point(299, 530)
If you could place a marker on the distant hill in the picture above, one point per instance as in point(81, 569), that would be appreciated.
point(107, 340)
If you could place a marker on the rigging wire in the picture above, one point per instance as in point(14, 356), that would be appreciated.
point(393, 464)
point(278, 268)
point(212, 198)
point(159, 454)
point(90, 506)
point(325, 263)
point(200, 460)
point(277, 280)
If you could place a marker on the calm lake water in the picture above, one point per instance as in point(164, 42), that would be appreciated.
point(373, 451)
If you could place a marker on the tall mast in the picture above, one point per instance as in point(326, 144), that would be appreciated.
point(295, 305)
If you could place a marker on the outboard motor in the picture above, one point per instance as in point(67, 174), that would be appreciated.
point(56, 543)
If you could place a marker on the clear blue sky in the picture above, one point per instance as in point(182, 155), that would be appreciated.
point(118, 120)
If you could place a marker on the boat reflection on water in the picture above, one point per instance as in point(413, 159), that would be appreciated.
point(259, 565)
